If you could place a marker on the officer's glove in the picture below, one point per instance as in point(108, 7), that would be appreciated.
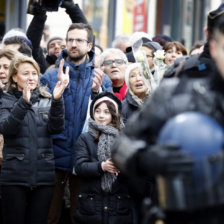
point(124, 149)
point(163, 160)
point(67, 4)
point(134, 157)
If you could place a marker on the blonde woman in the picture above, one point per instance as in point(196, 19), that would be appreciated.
point(137, 93)
point(28, 116)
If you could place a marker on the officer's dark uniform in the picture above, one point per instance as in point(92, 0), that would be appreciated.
point(197, 87)
point(198, 65)
point(174, 96)
point(193, 66)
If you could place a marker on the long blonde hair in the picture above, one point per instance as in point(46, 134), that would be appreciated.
point(13, 70)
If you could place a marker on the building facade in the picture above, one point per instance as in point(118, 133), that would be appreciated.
point(183, 20)
point(12, 14)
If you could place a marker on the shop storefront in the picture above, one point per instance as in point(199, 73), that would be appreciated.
point(12, 14)
point(183, 20)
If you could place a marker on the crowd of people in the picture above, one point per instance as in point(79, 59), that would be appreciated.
point(79, 125)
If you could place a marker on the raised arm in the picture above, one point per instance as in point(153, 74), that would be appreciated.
point(34, 33)
point(74, 12)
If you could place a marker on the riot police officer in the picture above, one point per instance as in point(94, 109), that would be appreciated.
point(202, 64)
point(137, 150)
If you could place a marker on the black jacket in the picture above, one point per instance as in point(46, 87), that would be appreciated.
point(193, 66)
point(129, 106)
point(28, 158)
point(177, 95)
point(34, 34)
point(95, 205)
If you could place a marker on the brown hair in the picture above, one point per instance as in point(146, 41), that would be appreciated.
point(197, 44)
point(82, 26)
point(177, 45)
point(24, 47)
point(115, 121)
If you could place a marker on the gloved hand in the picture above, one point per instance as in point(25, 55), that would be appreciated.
point(67, 4)
point(51, 59)
point(134, 157)
point(124, 149)
point(163, 160)
point(36, 9)
point(74, 12)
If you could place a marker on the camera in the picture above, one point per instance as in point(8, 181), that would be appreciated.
point(35, 6)
point(50, 5)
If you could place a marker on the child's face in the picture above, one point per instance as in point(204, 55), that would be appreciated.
point(171, 55)
point(102, 114)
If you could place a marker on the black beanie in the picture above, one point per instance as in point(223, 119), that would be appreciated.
point(51, 39)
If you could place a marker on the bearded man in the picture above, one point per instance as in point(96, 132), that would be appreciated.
point(85, 83)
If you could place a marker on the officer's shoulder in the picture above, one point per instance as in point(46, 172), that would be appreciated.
point(181, 65)
point(166, 88)
point(169, 83)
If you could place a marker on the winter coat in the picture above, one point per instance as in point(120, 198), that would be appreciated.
point(76, 98)
point(203, 93)
point(194, 66)
point(34, 34)
point(129, 106)
point(95, 205)
point(1, 147)
point(28, 158)
point(177, 95)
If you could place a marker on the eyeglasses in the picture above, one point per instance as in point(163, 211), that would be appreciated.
point(116, 61)
point(78, 41)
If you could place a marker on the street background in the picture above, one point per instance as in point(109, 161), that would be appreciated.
point(184, 20)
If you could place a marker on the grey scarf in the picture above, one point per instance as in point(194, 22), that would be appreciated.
point(106, 139)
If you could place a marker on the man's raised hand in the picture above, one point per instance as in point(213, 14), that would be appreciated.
point(63, 81)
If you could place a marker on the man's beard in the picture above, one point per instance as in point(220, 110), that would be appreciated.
point(77, 58)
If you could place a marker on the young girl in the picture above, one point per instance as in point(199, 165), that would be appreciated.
point(103, 197)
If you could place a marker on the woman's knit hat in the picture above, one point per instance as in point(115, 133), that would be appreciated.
point(156, 46)
point(16, 32)
point(102, 97)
